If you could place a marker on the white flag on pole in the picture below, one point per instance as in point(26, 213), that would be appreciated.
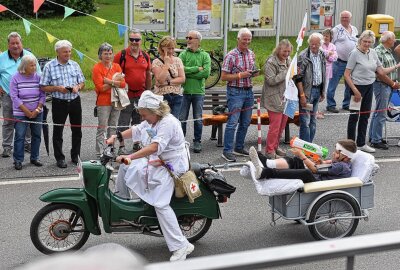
point(291, 92)
point(300, 36)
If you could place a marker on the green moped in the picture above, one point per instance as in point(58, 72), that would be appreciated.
point(73, 213)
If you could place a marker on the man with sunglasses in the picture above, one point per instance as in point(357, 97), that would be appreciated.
point(197, 65)
point(136, 66)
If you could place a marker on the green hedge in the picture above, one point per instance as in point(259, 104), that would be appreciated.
point(24, 8)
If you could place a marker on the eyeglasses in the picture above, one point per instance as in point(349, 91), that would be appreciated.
point(135, 39)
point(190, 38)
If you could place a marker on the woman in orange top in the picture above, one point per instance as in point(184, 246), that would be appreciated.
point(102, 76)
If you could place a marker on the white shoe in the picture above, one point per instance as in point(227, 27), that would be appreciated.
point(367, 148)
point(256, 162)
point(180, 254)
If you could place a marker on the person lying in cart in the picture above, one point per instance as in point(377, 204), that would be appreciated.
point(303, 168)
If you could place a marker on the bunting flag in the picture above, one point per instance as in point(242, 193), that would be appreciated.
point(122, 29)
point(3, 8)
point(80, 55)
point(37, 4)
point(50, 37)
point(102, 21)
point(68, 12)
point(27, 25)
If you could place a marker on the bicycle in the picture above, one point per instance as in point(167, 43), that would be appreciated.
point(151, 38)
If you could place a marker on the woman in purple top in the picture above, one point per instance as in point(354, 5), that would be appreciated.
point(28, 100)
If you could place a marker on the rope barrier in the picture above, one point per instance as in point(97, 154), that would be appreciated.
point(186, 121)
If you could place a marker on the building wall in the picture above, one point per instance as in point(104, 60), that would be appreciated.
point(293, 13)
point(392, 8)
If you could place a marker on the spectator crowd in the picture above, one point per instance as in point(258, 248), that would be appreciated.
point(338, 52)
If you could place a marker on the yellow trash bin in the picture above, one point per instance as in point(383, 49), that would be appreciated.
point(379, 23)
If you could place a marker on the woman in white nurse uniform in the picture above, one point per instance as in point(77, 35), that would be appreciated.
point(161, 135)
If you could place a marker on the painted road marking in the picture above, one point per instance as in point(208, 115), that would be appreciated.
point(7, 182)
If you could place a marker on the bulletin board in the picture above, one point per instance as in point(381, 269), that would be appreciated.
point(322, 14)
point(150, 15)
point(205, 16)
point(252, 14)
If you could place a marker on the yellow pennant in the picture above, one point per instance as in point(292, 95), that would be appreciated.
point(102, 21)
point(50, 37)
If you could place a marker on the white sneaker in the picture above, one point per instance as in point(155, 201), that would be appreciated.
point(367, 148)
point(256, 162)
point(180, 254)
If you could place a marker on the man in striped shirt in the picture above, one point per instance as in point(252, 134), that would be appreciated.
point(382, 90)
point(63, 78)
point(238, 68)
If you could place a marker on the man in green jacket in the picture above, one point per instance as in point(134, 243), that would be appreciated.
point(197, 65)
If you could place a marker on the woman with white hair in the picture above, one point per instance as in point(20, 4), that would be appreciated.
point(360, 74)
point(162, 138)
point(27, 100)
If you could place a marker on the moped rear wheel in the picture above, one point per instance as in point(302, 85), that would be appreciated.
point(194, 227)
point(53, 230)
point(338, 210)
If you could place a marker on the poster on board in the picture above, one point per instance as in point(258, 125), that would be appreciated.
point(322, 14)
point(150, 15)
point(204, 16)
point(253, 14)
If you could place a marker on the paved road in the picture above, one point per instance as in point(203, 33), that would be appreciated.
point(246, 220)
point(245, 225)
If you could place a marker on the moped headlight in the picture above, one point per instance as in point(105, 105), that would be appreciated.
point(80, 171)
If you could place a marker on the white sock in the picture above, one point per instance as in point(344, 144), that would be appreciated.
point(271, 163)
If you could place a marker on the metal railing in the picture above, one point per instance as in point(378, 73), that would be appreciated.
point(290, 255)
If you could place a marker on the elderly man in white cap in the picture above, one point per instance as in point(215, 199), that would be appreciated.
point(63, 78)
point(161, 137)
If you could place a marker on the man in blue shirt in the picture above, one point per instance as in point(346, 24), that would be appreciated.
point(9, 62)
point(63, 78)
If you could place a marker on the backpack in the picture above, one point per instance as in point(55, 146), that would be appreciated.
point(122, 60)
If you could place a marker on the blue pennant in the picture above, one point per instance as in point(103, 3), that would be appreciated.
point(122, 29)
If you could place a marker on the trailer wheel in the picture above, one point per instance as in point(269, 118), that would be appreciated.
point(336, 205)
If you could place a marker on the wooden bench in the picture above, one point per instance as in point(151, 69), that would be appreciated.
point(215, 97)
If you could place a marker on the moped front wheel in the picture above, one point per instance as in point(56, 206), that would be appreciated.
point(194, 227)
point(58, 228)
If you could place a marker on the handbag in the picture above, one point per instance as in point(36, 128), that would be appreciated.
point(187, 184)
point(95, 110)
point(121, 98)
